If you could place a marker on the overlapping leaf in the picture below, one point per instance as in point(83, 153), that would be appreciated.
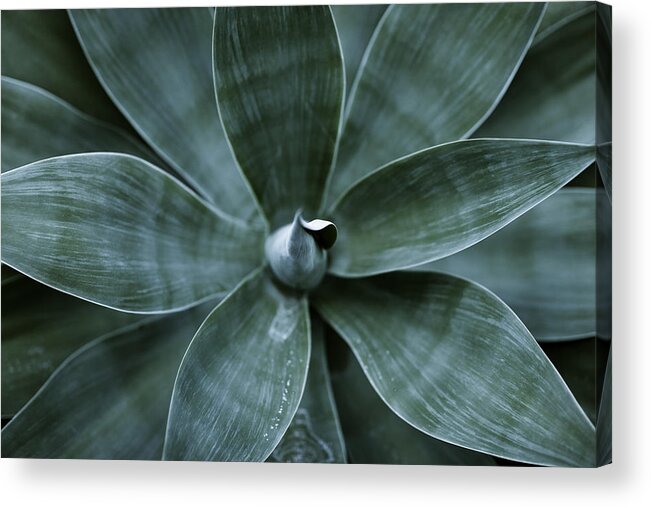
point(279, 81)
point(445, 199)
point(38, 125)
point(165, 90)
point(115, 230)
point(553, 93)
point(355, 26)
point(543, 265)
point(314, 436)
point(40, 328)
point(40, 47)
point(242, 378)
point(374, 434)
point(127, 236)
point(431, 74)
point(559, 14)
point(109, 400)
point(455, 362)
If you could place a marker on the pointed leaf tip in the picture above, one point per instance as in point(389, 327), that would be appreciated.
point(323, 232)
point(434, 95)
point(295, 255)
point(445, 199)
point(466, 371)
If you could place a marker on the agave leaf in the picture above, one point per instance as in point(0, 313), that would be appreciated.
point(553, 93)
point(431, 74)
point(40, 48)
point(558, 14)
point(242, 377)
point(376, 435)
point(445, 199)
point(295, 257)
point(323, 232)
point(40, 328)
point(314, 436)
point(355, 25)
point(279, 81)
point(605, 419)
point(38, 125)
point(455, 362)
point(117, 231)
point(108, 400)
point(543, 265)
point(165, 90)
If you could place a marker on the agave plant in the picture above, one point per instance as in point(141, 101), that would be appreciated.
point(218, 203)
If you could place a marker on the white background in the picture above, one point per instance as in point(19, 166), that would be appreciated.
point(626, 482)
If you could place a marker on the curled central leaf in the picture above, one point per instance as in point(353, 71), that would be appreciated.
point(297, 252)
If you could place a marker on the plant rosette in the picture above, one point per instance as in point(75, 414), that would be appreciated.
point(236, 214)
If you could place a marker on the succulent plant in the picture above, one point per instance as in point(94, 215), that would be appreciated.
point(219, 206)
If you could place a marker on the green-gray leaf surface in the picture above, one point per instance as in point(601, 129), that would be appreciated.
point(553, 93)
point(355, 25)
point(455, 362)
point(117, 231)
point(375, 435)
point(445, 199)
point(431, 74)
point(38, 125)
point(40, 47)
point(242, 378)
point(543, 265)
point(165, 90)
point(109, 400)
point(279, 81)
point(40, 328)
point(314, 436)
point(558, 14)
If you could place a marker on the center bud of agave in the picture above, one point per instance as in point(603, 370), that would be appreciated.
point(297, 252)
